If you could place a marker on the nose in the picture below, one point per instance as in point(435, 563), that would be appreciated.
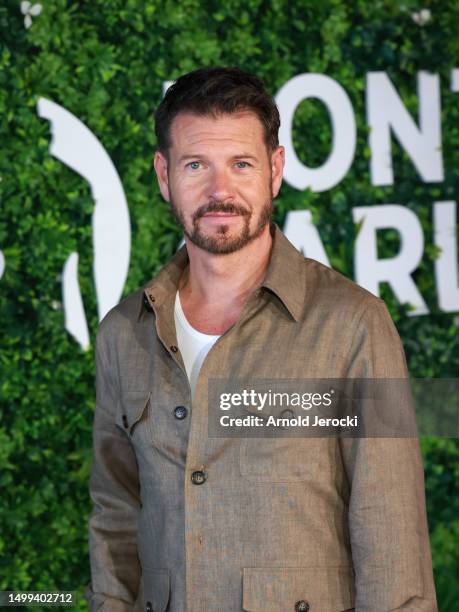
point(220, 185)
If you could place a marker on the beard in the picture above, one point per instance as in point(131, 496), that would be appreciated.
point(225, 240)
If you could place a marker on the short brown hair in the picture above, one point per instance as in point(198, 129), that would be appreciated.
point(215, 91)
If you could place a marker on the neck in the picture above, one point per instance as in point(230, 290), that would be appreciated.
point(225, 279)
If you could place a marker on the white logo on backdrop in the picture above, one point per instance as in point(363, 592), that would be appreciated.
point(77, 147)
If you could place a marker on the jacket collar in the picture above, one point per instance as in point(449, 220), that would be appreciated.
point(284, 277)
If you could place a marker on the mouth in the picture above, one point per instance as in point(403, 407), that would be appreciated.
point(221, 214)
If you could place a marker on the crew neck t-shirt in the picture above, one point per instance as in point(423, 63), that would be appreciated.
point(193, 344)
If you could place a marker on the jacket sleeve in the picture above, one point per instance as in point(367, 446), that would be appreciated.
point(114, 490)
point(387, 513)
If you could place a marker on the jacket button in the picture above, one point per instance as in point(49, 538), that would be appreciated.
point(180, 412)
point(301, 606)
point(125, 421)
point(173, 348)
point(149, 607)
point(198, 477)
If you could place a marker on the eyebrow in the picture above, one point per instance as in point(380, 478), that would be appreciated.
point(199, 156)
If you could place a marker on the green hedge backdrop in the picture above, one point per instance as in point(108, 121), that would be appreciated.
point(106, 61)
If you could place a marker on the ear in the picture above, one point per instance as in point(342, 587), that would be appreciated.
point(277, 168)
point(160, 165)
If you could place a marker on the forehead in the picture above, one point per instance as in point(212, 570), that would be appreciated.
point(227, 130)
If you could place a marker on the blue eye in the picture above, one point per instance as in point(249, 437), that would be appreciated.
point(244, 164)
point(194, 165)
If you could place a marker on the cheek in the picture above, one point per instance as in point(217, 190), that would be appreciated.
point(259, 191)
point(190, 184)
point(185, 191)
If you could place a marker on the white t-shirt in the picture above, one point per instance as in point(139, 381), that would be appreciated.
point(193, 344)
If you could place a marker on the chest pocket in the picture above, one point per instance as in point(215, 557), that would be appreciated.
point(134, 416)
point(287, 456)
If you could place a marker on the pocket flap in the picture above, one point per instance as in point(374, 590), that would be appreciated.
point(132, 407)
point(324, 589)
point(156, 589)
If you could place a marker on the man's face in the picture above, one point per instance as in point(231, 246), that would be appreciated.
point(220, 179)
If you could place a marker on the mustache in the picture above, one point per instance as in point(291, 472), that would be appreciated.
point(217, 206)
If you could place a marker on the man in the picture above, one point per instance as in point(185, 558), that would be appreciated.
point(183, 521)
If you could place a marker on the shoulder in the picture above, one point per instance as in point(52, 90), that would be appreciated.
point(334, 293)
point(360, 322)
point(121, 317)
